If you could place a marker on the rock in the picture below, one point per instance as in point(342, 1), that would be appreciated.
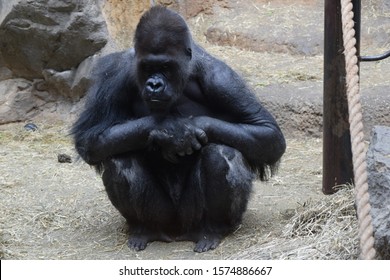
point(83, 77)
point(378, 166)
point(5, 73)
point(64, 158)
point(30, 127)
point(49, 46)
point(48, 34)
point(72, 84)
point(58, 82)
point(21, 100)
point(15, 101)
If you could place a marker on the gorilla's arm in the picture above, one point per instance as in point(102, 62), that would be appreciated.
point(254, 131)
point(117, 139)
point(107, 125)
point(174, 136)
point(260, 143)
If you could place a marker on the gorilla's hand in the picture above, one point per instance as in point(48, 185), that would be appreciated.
point(177, 136)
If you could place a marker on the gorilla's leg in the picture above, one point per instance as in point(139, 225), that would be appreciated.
point(225, 182)
point(134, 191)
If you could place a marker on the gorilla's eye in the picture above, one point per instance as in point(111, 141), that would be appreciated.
point(189, 52)
point(144, 67)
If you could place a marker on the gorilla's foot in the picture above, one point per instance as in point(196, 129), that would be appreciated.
point(138, 241)
point(204, 241)
point(207, 242)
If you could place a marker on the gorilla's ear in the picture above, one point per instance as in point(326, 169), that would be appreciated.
point(189, 52)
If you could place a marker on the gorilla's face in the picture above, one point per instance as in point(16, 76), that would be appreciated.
point(163, 55)
point(162, 77)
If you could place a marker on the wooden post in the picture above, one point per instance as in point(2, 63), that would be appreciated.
point(337, 154)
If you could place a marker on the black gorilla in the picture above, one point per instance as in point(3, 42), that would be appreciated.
point(177, 136)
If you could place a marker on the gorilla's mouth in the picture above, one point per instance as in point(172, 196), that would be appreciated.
point(155, 104)
point(155, 100)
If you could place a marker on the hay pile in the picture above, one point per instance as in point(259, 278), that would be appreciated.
point(321, 229)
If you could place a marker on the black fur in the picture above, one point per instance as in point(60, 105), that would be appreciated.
point(177, 136)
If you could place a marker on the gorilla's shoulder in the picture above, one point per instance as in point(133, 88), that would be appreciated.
point(115, 63)
point(117, 57)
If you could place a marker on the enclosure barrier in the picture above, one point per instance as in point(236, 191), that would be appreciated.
point(344, 159)
point(357, 136)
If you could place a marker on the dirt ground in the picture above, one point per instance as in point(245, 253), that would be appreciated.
point(52, 210)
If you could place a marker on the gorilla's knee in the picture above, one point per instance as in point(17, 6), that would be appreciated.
point(228, 162)
point(126, 170)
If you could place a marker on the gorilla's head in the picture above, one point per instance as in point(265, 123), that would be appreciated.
point(163, 54)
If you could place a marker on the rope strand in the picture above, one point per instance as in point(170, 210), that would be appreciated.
point(366, 230)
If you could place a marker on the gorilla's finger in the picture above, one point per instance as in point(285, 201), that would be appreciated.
point(201, 136)
point(171, 157)
point(195, 144)
point(181, 153)
point(189, 151)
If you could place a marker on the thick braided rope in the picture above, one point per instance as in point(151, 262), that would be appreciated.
point(356, 126)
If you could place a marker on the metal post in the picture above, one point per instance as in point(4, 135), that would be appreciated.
point(337, 154)
point(357, 19)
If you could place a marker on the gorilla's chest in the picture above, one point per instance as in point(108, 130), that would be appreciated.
point(192, 102)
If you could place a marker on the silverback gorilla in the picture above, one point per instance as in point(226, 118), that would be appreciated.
point(177, 136)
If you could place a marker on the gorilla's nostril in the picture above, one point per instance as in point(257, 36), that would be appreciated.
point(155, 85)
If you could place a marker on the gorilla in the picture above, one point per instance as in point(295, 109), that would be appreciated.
point(176, 135)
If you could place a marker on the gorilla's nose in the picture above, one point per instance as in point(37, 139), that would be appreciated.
point(155, 85)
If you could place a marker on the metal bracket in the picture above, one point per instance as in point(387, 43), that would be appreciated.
point(374, 57)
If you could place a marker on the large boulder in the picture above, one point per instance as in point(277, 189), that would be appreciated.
point(378, 165)
point(49, 34)
point(72, 84)
point(47, 51)
point(22, 99)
